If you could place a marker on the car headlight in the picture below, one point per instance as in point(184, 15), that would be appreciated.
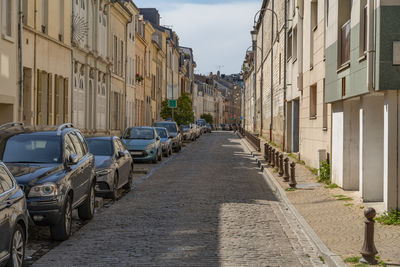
point(150, 146)
point(103, 172)
point(44, 190)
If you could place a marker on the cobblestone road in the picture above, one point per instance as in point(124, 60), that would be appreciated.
point(209, 206)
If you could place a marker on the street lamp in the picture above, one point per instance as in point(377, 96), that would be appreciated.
point(254, 38)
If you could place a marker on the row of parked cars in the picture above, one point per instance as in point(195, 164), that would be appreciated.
point(46, 172)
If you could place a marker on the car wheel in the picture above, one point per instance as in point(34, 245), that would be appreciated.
point(128, 185)
point(62, 230)
point(17, 250)
point(114, 193)
point(155, 158)
point(86, 211)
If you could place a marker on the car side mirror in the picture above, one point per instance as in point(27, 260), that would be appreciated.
point(120, 154)
point(158, 138)
point(169, 137)
point(73, 159)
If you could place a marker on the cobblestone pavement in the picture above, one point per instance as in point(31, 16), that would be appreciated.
point(208, 206)
point(339, 223)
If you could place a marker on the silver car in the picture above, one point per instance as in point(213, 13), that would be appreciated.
point(114, 165)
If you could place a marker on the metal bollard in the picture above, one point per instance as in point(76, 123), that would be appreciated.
point(280, 165)
point(266, 152)
point(273, 158)
point(269, 155)
point(277, 159)
point(292, 182)
point(286, 168)
point(368, 251)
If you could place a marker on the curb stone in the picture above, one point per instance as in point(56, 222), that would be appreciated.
point(330, 258)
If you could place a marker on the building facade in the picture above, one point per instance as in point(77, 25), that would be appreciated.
point(46, 40)
point(10, 95)
point(362, 83)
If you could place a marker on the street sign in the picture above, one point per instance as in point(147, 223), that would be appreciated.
point(172, 103)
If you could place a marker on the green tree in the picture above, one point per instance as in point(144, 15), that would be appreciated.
point(207, 117)
point(183, 114)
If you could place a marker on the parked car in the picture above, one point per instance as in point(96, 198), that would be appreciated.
point(114, 165)
point(201, 123)
point(56, 171)
point(166, 141)
point(174, 131)
point(188, 133)
point(13, 220)
point(208, 127)
point(196, 130)
point(143, 143)
point(223, 127)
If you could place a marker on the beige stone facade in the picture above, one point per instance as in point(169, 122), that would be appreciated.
point(9, 74)
point(47, 62)
point(91, 66)
point(119, 18)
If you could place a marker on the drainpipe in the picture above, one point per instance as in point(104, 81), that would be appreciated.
point(371, 45)
point(21, 67)
point(255, 87)
point(272, 76)
point(284, 79)
point(126, 68)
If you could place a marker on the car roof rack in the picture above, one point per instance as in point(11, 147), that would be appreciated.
point(63, 126)
point(11, 124)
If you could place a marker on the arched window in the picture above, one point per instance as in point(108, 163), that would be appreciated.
point(103, 90)
point(81, 84)
point(83, 4)
point(75, 82)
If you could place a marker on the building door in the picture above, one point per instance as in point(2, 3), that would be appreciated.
point(295, 126)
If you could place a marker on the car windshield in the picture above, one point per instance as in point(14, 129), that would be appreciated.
point(162, 133)
point(31, 148)
point(186, 127)
point(171, 127)
point(139, 133)
point(100, 147)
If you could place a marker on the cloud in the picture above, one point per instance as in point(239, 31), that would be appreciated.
point(218, 32)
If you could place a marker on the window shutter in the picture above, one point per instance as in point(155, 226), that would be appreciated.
point(39, 98)
point(50, 100)
point(66, 100)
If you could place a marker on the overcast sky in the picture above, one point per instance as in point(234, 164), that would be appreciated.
point(217, 30)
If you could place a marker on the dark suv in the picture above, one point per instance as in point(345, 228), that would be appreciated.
point(56, 171)
point(174, 132)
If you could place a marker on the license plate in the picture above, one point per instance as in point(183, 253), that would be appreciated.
point(137, 153)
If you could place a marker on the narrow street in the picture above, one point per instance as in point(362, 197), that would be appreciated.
point(208, 206)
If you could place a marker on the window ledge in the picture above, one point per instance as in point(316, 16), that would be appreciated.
point(343, 67)
point(324, 129)
point(362, 58)
point(8, 38)
point(313, 117)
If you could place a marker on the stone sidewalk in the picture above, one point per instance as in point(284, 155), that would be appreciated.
point(338, 223)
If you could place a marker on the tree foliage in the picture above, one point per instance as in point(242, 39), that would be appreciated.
point(183, 114)
point(207, 117)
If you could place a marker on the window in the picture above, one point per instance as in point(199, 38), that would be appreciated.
point(363, 27)
point(343, 86)
point(25, 12)
point(7, 14)
point(324, 111)
point(69, 147)
point(290, 44)
point(314, 15)
point(45, 13)
point(345, 43)
point(313, 101)
point(294, 53)
point(344, 31)
point(280, 68)
point(77, 144)
point(121, 67)
point(115, 54)
point(6, 182)
point(61, 21)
